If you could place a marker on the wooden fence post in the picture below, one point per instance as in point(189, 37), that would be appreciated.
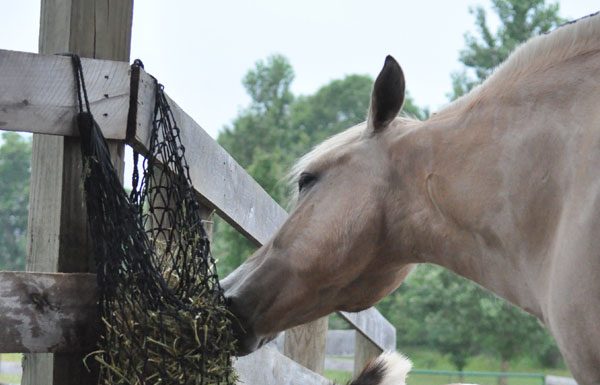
point(305, 344)
point(364, 351)
point(57, 228)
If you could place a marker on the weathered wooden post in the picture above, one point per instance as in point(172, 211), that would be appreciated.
point(57, 229)
point(364, 351)
point(305, 344)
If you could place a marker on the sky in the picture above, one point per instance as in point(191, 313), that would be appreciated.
point(200, 50)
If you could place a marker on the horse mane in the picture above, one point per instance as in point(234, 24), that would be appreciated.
point(539, 53)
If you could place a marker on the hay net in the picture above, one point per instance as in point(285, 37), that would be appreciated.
point(163, 313)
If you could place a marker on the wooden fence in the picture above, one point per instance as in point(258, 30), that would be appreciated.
point(50, 308)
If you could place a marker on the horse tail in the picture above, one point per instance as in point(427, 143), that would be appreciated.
point(390, 368)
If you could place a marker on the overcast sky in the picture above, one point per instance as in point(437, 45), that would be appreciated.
point(200, 50)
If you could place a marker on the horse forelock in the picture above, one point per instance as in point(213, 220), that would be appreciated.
point(327, 148)
point(332, 146)
point(537, 54)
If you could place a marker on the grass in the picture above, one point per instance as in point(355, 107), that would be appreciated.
point(338, 376)
point(431, 360)
point(10, 378)
point(422, 359)
point(11, 357)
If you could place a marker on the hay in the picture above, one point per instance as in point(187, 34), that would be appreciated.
point(164, 319)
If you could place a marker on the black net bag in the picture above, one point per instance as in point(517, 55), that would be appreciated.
point(163, 313)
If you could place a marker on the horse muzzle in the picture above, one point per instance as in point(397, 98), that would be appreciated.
point(247, 341)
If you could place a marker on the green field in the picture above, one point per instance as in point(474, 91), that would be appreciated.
point(430, 360)
point(10, 378)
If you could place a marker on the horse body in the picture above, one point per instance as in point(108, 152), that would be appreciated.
point(502, 187)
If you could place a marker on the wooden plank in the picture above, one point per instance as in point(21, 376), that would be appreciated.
point(368, 322)
point(38, 94)
point(364, 351)
point(47, 312)
point(556, 380)
point(306, 343)
point(90, 28)
point(267, 366)
point(221, 182)
point(374, 326)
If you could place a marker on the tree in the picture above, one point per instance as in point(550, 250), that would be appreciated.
point(15, 160)
point(337, 106)
point(519, 21)
point(508, 332)
point(441, 310)
point(257, 139)
point(264, 124)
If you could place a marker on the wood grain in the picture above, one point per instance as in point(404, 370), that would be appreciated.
point(267, 366)
point(47, 312)
point(374, 326)
point(364, 351)
point(305, 344)
point(38, 94)
point(89, 28)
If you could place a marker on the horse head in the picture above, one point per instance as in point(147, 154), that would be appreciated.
point(338, 250)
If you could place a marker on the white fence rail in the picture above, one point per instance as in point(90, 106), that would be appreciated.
point(556, 380)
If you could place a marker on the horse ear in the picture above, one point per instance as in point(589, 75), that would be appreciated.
point(387, 96)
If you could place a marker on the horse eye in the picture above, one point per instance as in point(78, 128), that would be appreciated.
point(306, 179)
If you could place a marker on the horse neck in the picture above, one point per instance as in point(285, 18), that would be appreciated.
point(463, 183)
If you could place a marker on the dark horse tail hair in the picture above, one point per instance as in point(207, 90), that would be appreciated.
point(389, 368)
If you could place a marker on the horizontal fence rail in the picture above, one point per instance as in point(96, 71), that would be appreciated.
point(373, 326)
point(268, 366)
point(38, 94)
point(52, 312)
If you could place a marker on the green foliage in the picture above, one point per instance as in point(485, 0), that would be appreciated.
point(519, 21)
point(333, 108)
point(264, 125)
point(15, 173)
point(438, 309)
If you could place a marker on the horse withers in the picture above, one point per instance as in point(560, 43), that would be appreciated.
point(501, 187)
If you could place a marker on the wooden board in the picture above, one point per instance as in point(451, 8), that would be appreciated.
point(306, 344)
point(269, 367)
point(57, 230)
point(373, 326)
point(38, 94)
point(47, 312)
point(221, 182)
point(364, 351)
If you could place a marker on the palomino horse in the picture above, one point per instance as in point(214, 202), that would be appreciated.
point(501, 187)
